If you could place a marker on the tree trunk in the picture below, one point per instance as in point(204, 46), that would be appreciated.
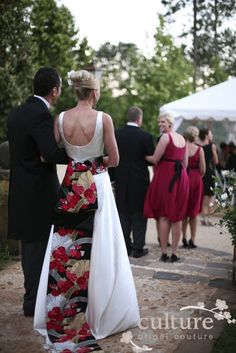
point(215, 27)
point(195, 59)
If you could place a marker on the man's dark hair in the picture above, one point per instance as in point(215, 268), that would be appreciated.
point(134, 113)
point(45, 79)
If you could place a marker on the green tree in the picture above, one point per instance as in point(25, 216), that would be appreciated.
point(213, 46)
point(55, 38)
point(118, 79)
point(131, 78)
point(15, 56)
point(163, 78)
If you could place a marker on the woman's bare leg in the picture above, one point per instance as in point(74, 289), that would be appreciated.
point(176, 232)
point(163, 229)
point(193, 227)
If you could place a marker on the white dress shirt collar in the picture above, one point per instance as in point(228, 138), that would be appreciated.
point(132, 124)
point(44, 100)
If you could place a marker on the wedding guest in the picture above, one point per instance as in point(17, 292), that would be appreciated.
point(33, 185)
point(223, 155)
point(132, 179)
point(196, 169)
point(167, 195)
point(211, 160)
point(86, 289)
point(231, 162)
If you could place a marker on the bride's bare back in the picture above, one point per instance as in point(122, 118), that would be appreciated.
point(79, 126)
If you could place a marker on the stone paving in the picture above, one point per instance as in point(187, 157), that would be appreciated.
point(202, 275)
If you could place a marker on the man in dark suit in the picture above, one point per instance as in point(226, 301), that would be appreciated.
point(33, 184)
point(131, 179)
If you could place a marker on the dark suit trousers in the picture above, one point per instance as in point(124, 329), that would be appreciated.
point(137, 224)
point(32, 260)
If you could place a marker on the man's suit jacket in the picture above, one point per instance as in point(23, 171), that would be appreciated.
point(132, 176)
point(33, 185)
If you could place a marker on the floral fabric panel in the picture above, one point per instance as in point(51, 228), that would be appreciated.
point(78, 190)
point(68, 290)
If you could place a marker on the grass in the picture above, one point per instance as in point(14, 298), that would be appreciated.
point(227, 341)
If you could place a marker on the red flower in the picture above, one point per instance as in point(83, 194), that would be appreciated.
point(60, 254)
point(81, 167)
point(72, 200)
point(54, 325)
point(64, 231)
point(66, 181)
point(90, 195)
point(78, 189)
point(56, 314)
point(55, 264)
point(93, 187)
point(54, 290)
point(83, 281)
point(69, 312)
point(64, 286)
point(64, 204)
point(66, 351)
point(84, 331)
point(71, 276)
point(75, 253)
point(76, 293)
point(71, 333)
point(69, 170)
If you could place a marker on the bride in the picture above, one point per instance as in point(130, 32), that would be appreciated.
point(86, 289)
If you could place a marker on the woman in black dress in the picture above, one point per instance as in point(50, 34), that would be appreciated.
point(211, 159)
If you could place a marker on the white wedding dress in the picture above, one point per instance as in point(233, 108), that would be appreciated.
point(112, 302)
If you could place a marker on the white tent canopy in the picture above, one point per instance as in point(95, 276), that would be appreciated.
point(214, 103)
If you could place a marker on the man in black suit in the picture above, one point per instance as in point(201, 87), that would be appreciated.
point(131, 179)
point(33, 184)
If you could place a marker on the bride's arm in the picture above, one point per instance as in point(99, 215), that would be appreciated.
point(56, 134)
point(56, 130)
point(112, 158)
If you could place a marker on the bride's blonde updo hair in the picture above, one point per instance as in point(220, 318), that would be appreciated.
point(191, 133)
point(83, 82)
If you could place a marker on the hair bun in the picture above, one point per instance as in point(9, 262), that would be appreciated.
point(82, 78)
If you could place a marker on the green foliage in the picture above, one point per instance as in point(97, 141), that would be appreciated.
point(133, 79)
point(15, 51)
point(226, 342)
point(213, 34)
point(35, 34)
point(55, 38)
point(225, 202)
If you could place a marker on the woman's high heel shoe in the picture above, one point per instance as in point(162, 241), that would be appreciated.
point(191, 244)
point(164, 257)
point(185, 243)
point(174, 258)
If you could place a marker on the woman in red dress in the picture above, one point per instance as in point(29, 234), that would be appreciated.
point(167, 196)
point(196, 170)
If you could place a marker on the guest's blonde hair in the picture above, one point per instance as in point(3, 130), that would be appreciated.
point(83, 82)
point(169, 117)
point(191, 133)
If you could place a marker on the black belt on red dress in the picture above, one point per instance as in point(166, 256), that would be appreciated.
point(177, 175)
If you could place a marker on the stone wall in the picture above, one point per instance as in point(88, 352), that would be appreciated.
point(12, 245)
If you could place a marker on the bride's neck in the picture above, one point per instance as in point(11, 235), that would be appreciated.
point(85, 104)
